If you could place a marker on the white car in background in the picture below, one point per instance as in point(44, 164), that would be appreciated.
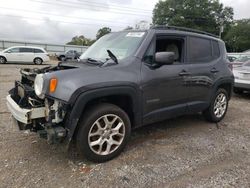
point(242, 78)
point(26, 54)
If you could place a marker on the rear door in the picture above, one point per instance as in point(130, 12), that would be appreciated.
point(203, 57)
point(27, 54)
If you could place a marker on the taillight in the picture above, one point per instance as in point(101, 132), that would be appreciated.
point(230, 66)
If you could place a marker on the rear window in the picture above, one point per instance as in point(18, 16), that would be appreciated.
point(200, 50)
point(38, 51)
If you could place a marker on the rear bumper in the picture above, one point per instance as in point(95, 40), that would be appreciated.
point(46, 59)
point(24, 115)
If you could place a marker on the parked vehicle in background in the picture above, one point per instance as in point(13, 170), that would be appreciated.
point(241, 60)
point(247, 51)
point(242, 78)
point(125, 80)
point(68, 55)
point(231, 58)
point(25, 54)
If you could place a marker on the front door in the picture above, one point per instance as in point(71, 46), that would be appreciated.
point(13, 55)
point(163, 87)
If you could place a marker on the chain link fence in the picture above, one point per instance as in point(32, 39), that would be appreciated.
point(50, 48)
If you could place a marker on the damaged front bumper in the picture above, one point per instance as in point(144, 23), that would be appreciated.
point(31, 113)
point(44, 116)
point(34, 119)
point(23, 115)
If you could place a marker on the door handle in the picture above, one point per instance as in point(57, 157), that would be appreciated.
point(184, 73)
point(214, 70)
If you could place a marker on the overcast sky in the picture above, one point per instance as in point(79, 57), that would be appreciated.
point(57, 21)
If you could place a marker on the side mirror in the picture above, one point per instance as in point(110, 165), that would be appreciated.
point(164, 58)
point(8, 51)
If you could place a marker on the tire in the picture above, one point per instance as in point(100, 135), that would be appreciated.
point(62, 58)
point(38, 61)
point(221, 100)
point(2, 60)
point(93, 123)
point(238, 91)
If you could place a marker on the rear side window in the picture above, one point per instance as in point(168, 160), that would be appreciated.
point(200, 50)
point(26, 50)
point(38, 51)
point(216, 49)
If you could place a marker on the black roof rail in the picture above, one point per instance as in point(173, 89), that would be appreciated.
point(183, 29)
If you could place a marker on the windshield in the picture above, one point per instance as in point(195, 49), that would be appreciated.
point(121, 44)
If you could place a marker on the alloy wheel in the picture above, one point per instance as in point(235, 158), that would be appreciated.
point(106, 134)
point(220, 105)
point(2, 60)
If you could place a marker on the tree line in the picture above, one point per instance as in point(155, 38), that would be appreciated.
point(206, 15)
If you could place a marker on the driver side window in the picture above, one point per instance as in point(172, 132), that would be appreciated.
point(165, 44)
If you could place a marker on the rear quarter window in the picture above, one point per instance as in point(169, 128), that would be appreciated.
point(216, 49)
point(38, 51)
point(200, 50)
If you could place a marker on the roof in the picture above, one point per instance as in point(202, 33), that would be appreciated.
point(26, 47)
point(183, 29)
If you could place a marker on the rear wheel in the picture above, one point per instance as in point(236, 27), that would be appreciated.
point(218, 107)
point(103, 133)
point(2, 60)
point(38, 61)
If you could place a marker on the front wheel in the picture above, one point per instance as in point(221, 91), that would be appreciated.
point(218, 106)
point(103, 133)
point(2, 60)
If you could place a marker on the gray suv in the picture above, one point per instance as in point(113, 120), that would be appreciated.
point(125, 80)
point(68, 55)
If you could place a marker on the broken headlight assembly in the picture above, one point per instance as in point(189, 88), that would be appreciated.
point(38, 86)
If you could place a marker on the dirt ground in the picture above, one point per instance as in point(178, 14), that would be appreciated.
point(182, 152)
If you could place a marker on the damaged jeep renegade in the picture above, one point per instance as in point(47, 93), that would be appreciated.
point(123, 81)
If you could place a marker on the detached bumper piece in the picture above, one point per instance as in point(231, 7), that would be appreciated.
point(24, 115)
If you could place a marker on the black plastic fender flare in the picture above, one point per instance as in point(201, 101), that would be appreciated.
point(80, 102)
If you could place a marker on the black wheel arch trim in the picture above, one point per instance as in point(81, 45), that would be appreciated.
point(227, 80)
point(79, 100)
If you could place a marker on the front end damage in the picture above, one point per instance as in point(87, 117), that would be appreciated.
point(42, 115)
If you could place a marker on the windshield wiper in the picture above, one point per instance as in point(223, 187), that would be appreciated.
point(92, 61)
point(112, 56)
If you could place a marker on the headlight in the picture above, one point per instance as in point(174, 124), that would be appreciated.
point(38, 85)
